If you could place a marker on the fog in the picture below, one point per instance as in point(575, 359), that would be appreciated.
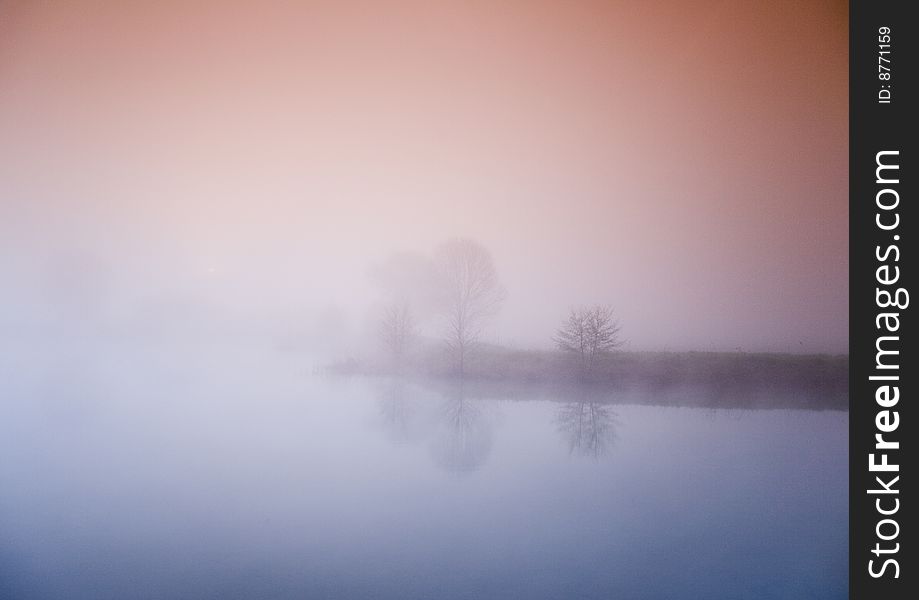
point(233, 474)
point(238, 170)
point(397, 299)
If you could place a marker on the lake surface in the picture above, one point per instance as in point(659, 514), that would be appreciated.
point(216, 474)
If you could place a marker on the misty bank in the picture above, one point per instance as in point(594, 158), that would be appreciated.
point(723, 379)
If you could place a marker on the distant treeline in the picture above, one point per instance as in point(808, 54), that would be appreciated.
point(703, 379)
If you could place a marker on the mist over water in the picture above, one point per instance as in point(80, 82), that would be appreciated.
point(236, 168)
point(239, 474)
point(423, 300)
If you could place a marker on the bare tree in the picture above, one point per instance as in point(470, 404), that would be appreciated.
point(397, 329)
point(588, 333)
point(470, 293)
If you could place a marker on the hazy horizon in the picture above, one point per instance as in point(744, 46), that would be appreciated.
point(270, 275)
point(243, 166)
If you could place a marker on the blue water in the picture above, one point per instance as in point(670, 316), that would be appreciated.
point(205, 474)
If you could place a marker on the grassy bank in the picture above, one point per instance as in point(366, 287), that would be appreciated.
point(718, 379)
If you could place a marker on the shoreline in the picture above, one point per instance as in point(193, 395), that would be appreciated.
point(715, 379)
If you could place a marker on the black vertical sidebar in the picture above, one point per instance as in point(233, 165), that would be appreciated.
point(883, 373)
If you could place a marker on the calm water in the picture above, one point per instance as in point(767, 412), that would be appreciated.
point(241, 475)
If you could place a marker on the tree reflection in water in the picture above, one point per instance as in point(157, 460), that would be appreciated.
point(459, 428)
point(397, 410)
point(465, 440)
point(588, 426)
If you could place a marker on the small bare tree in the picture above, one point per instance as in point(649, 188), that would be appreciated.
point(470, 293)
point(588, 333)
point(397, 329)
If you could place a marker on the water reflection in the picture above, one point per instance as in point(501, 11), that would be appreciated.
point(288, 490)
point(465, 437)
point(588, 426)
point(397, 409)
point(459, 424)
point(456, 420)
point(457, 428)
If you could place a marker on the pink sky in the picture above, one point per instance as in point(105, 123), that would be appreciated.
point(685, 162)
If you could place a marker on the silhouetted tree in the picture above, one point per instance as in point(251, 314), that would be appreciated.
point(469, 293)
point(588, 333)
point(397, 329)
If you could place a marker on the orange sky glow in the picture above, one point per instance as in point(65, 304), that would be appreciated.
point(684, 162)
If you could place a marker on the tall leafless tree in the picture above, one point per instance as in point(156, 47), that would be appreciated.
point(588, 333)
point(470, 293)
point(397, 330)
